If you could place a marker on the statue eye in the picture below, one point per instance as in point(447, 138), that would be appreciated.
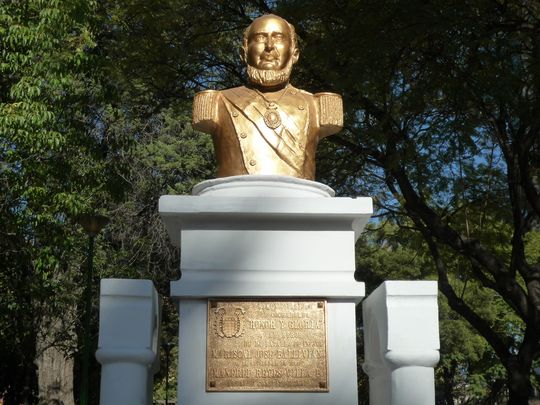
point(259, 38)
point(278, 37)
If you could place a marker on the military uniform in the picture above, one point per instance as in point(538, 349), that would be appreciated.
point(254, 135)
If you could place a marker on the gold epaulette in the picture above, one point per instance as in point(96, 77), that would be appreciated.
point(205, 110)
point(330, 109)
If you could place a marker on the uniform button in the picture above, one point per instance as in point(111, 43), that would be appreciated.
point(300, 107)
point(235, 114)
point(243, 135)
point(252, 162)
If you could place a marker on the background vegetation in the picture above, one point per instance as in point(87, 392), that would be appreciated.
point(442, 130)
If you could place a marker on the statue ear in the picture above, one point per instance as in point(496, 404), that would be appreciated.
point(243, 53)
point(295, 55)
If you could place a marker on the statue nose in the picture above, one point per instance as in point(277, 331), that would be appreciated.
point(269, 43)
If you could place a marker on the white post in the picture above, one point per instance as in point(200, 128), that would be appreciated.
point(401, 342)
point(129, 319)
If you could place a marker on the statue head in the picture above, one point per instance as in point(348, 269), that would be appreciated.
point(269, 50)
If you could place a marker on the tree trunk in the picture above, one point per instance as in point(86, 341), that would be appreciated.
point(519, 387)
point(449, 373)
point(55, 369)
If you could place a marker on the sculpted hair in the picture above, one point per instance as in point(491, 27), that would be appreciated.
point(292, 32)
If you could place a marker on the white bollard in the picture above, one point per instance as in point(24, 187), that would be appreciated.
point(129, 319)
point(401, 342)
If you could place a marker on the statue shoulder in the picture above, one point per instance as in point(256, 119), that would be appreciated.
point(330, 109)
point(205, 110)
point(237, 93)
point(302, 92)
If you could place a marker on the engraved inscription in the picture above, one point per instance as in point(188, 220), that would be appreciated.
point(267, 346)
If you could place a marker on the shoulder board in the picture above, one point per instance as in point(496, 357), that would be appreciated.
point(205, 107)
point(330, 109)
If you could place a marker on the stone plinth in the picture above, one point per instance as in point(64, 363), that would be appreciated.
point(263, 237)
point(401, 342)
point(129, 319)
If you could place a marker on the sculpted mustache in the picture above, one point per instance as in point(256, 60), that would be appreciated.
point(273, 54)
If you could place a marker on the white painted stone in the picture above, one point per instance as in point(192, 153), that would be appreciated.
point(262, 185)
point(266, 246)
point(258, 237)
point(401, 342)
point(270, 213)
point(129, 319)
point(215, 283)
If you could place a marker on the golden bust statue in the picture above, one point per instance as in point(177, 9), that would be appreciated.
point(268, 126)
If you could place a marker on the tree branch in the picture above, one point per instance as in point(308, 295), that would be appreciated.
point(507, 285)
point(460, 306)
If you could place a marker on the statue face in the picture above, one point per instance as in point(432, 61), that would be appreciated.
point(269, 44)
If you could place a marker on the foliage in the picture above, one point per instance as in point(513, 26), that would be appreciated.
point(443, 113)
point(55, 163)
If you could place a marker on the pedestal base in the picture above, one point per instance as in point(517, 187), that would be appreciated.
point(266, 237)
point(262, 186)
point(341, 361)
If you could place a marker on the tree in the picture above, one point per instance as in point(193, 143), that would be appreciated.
point(443, 111)
point(54, 165)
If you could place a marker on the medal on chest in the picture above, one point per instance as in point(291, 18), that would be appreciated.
point(272, 118)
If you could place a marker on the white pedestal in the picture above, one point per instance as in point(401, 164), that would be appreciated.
point(401, 342)
point(129, 318)
point(260, 237)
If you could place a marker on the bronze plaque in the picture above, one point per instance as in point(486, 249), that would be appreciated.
point(273, 345)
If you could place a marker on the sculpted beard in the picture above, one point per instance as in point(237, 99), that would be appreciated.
point(264, 77)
